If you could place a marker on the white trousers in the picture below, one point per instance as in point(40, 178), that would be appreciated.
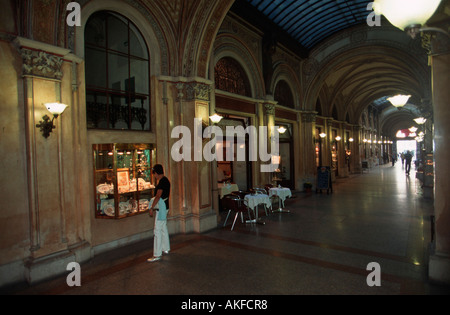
point(161, 237)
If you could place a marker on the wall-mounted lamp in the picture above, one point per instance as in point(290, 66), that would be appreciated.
point(215, 118)
point(408, 15)
point(338, 138)
point(323, 135)
point(47, 125)
point(351, 140)
point(282, 130)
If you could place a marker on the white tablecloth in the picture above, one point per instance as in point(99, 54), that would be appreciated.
point(283, 193)
point(254, 200)
point(226, 189)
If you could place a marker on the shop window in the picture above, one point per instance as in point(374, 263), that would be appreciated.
point(117, 74)
point(123, 179)
point(231, 77)
point(283, 94)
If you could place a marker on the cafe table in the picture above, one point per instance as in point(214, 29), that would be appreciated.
point(226, 189)
point(282, 194)
point(253, 201)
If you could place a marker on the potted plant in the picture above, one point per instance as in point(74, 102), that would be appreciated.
point(307, 186)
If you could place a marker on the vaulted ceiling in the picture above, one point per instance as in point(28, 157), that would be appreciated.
point(360, 80)
point(311, 21)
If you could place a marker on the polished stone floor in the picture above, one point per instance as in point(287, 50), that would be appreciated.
point(323, 246)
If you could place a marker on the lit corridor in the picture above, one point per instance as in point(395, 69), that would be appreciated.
point(323, 246)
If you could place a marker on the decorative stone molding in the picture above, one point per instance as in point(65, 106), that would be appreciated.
point(41, 64)
point(309, 117)
point(270, 109)
point(196, 91)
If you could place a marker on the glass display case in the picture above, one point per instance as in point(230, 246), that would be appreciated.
point(123, 179)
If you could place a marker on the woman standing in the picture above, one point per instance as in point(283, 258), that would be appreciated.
point(160, 203)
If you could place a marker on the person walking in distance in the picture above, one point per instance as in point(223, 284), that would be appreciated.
point(160, 203)
point(408, 158)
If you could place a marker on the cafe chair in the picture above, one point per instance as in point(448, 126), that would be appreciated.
point(273, 197)
point(236, 204)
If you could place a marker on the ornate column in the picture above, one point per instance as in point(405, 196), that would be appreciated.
point(269, 110)
point(192, 179)
point(355, 159)
point(57, 184)
point(307, 146)
point(439, 264)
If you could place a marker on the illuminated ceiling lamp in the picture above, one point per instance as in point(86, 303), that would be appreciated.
point(413, 129)
point(399, 100)
point(420, 120)
point(408, 15)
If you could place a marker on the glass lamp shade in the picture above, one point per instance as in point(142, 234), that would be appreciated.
point(420, 120)
point(56, 108)
point(323, 135)
point(276, 159)
point(215, 118)
point(399, 100)
point(406, 13)
point(282, 130)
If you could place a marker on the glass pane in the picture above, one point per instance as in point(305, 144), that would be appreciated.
point(139, 71)
point(118, 111)
point(140, 109)
point(96, 109)
point(95, 68)
point(104, 181)
point(95, 32)
point(118, 71)
point(138, 47)
point(118, 34)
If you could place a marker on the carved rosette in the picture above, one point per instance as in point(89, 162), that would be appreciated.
point(41, 64)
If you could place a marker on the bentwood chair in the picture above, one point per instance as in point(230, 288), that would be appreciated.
point(236, 204)
point(273, 197)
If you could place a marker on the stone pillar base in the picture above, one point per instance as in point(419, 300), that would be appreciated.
point(439, 269)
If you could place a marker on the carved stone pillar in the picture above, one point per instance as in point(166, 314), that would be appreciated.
point(269, 110)
point(57, 186)
point(307, 146)
point(192, 178)
point(355, 159)
point(439, 264)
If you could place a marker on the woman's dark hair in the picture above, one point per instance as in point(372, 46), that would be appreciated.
point(158, 169)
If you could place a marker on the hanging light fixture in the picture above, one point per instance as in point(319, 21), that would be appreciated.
point(323, 135)
point(420, 120)
point(399, 100)
point(408, 15)
point(413, 129)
